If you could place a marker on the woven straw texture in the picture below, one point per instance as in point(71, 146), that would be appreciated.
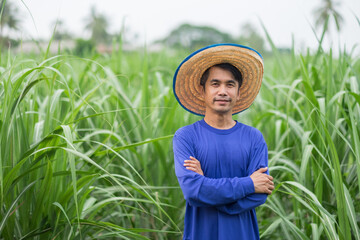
point(188, 90)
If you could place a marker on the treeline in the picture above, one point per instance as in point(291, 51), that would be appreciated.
point(186, 35)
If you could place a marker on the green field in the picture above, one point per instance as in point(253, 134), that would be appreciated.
point(86, 145)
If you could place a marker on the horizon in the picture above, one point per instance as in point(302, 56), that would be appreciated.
point(155, 20)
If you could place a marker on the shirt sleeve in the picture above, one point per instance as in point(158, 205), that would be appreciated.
point(202, 191)
point(259, 159)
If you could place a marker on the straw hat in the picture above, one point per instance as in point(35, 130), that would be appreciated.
point(186, 85)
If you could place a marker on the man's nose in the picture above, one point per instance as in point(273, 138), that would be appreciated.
point(222, 90)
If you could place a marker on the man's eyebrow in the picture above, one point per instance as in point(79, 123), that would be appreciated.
point(227, 81)
point(231, 81)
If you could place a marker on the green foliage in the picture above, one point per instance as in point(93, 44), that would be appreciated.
point(250, 37)
point(60, 31)
point(6, 43)
point(327, 10)
point(8, 16)
point(86, 146)
point(309, 105)
point(97, 24)
point(84, 47)
point(189, 36)
point(8, 20)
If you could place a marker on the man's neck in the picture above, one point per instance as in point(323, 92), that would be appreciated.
point(219, 121)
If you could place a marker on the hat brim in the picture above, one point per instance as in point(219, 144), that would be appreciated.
point(186, 83)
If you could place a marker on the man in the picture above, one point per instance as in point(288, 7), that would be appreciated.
point(221, 164)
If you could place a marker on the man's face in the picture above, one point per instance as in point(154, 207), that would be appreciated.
point(221, 91)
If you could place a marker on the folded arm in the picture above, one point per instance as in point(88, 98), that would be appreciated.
point(263, 183)
point(263, 186)
point(202, 191)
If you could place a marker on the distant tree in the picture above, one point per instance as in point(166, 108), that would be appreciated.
point(328, 10)
point(8, 17)
point(192, 37)
point(60, 30)
point(97, 24)
point(83, 47)
point(250, 37)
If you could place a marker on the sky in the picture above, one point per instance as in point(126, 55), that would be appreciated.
point(154, 19)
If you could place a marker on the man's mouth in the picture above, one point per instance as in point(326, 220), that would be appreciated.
point(222, 100)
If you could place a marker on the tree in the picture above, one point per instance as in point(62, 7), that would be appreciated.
point(60, 31)
point(8, 17)
point(97, 24)
point(327, 10)
point(83, 47)
point(193, 37)
point(251, 38)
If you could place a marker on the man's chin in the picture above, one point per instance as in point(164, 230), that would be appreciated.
point(222, 110)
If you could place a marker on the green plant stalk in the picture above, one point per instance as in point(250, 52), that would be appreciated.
point(344, 228)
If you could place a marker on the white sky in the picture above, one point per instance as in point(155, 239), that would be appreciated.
point(154, 19)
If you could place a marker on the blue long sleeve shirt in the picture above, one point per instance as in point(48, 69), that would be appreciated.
point(221, 204)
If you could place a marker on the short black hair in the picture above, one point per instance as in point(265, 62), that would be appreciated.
point(225, 66)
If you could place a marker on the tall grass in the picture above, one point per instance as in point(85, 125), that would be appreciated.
point(310, 116)
point(86, 146)
point(82, 154)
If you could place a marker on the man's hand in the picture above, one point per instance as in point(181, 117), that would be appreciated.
point(194, 165)
point(263, 183)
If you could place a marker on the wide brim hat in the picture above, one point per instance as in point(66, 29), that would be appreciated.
point(186, 84)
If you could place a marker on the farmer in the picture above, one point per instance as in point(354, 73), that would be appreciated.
point(221, 164)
